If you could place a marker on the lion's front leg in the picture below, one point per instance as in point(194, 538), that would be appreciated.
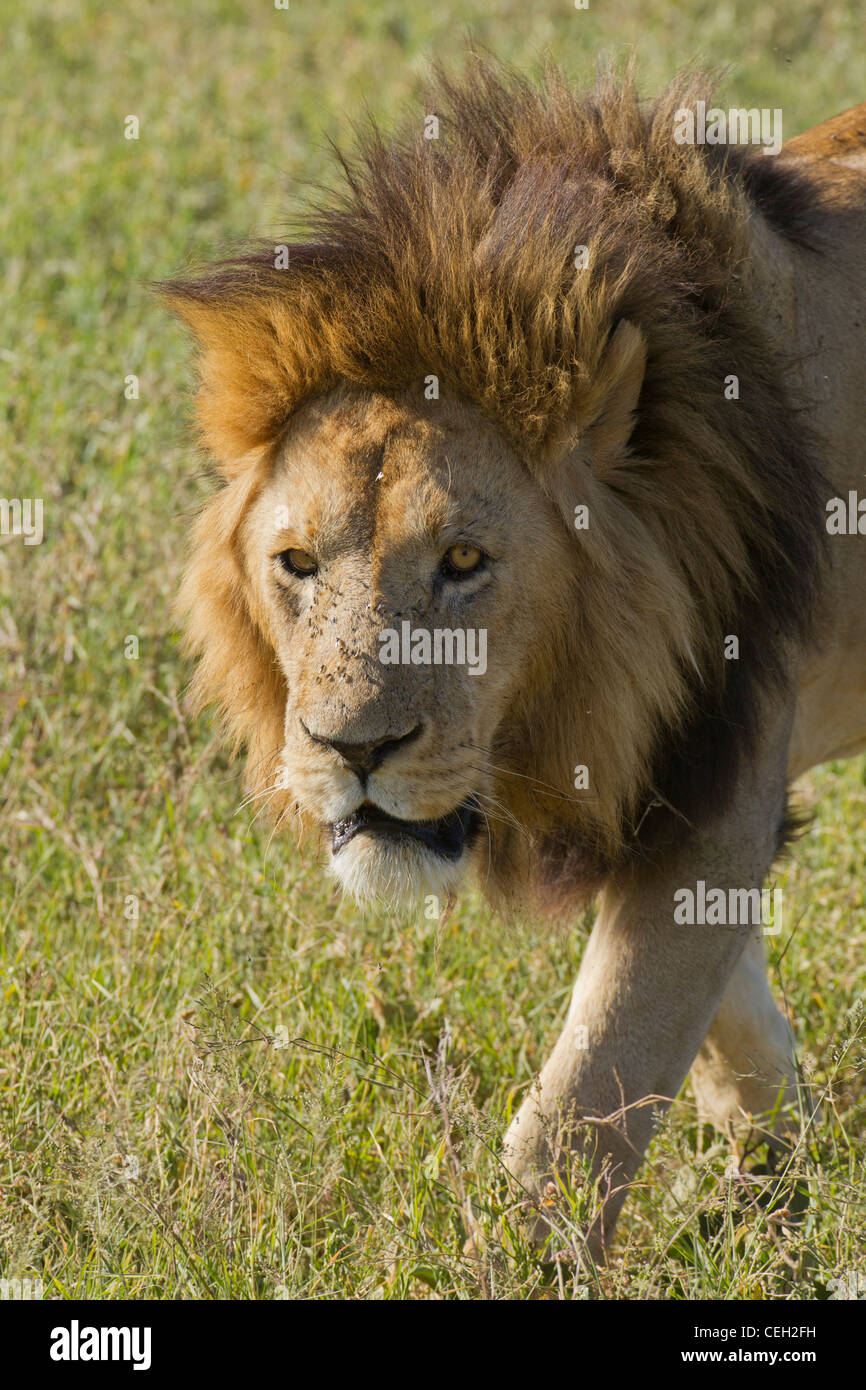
point(647, 993)
point(645, 997)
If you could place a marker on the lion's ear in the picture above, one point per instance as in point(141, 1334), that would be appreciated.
point(618, 383)
point(602, 421)
point(245, 387)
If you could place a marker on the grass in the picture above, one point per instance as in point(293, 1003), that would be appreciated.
point(220, 1080)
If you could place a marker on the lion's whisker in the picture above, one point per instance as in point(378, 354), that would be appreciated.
point(505, 817)
point(547, 788)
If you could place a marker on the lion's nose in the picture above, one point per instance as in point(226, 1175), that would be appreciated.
point(364, 758)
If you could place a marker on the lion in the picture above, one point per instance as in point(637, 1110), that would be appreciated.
point(560, 387)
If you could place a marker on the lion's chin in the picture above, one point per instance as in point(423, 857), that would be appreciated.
point(397, 871)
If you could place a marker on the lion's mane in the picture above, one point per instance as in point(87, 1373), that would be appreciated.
point(455, 257)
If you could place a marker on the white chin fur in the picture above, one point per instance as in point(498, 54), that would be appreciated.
point(398, 872)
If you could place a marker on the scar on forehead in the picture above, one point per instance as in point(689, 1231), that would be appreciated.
point(362, 444)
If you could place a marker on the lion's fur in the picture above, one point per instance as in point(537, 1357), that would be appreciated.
point(455, 258)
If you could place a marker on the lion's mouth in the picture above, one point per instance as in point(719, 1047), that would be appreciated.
point(446, 837)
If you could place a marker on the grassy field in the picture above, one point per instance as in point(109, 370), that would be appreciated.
point(155, 1141)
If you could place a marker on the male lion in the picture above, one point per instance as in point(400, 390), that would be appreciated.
point(555, 383)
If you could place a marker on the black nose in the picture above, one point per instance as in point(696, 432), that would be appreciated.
point(364, 758)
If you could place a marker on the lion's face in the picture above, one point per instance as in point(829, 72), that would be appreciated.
point(403, 572)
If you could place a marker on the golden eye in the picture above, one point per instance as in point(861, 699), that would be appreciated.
point(299, 562)
point(462, 559)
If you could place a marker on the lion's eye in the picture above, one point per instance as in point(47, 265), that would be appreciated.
point(299, 562)
point(462, 560)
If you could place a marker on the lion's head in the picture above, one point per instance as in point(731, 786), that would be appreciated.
point(387, 557)
point(489, 518)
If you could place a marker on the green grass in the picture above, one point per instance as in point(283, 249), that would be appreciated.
point(153, 1141)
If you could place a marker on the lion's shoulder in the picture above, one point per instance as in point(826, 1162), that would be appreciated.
point(841, 137)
